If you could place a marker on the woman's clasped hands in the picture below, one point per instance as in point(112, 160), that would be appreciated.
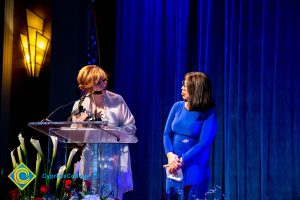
point(174, 163)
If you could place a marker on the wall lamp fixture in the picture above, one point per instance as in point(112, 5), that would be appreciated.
point(34, 45)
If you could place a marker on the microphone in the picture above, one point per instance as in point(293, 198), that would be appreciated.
point(63, 106)
point(80, 108)
point(97, 92)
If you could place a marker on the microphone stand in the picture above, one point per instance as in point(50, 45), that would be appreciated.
point(62, 106)
point(117, 137)
point(54, 111)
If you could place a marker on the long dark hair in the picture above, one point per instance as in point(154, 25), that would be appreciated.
point(199, 89)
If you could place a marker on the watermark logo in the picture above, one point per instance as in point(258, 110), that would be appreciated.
point(21, 176)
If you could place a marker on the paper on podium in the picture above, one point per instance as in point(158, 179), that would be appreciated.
point(177, 177)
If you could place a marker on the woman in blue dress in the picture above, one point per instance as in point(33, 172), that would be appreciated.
point(189, 132)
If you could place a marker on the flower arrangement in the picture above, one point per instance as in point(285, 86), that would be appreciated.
point(212, 194)
point(75, 188)
point(215, 193)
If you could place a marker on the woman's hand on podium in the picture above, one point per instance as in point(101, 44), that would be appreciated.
point(80, 117)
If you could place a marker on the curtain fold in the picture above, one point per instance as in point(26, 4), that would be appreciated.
point(250, 50)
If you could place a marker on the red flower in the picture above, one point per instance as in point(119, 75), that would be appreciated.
point(14, 194)
point(44, 189)
point(87, 183)
point(68, 184)
point(38, 198)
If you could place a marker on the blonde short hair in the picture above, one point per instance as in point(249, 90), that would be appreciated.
point(89, 76)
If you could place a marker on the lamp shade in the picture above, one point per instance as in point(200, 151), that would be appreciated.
point(34, 45)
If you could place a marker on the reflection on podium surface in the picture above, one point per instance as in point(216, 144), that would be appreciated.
point(84, 132)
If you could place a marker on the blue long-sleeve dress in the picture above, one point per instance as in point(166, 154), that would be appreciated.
point(189, 134)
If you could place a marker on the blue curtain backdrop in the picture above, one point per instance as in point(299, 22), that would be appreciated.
point(250, 49)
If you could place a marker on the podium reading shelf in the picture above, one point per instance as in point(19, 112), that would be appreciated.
point(84, 132)
point(105, 174)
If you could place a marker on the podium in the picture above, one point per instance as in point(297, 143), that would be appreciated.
point(84, 132)
point(106, 154)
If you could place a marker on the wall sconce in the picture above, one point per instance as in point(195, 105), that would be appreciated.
point(34, 45)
